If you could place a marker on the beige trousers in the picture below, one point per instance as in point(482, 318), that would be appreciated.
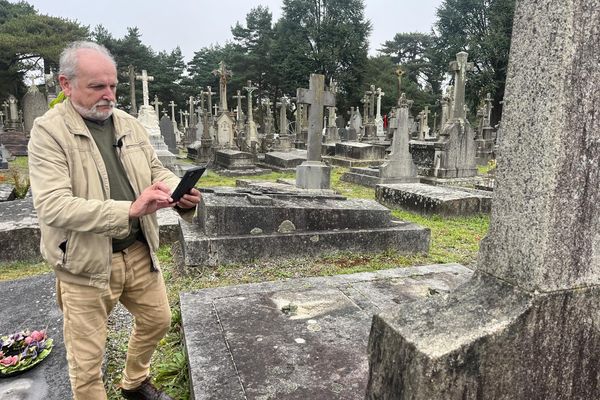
point(86, 311)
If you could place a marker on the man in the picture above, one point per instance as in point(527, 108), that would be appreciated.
point(96, 184)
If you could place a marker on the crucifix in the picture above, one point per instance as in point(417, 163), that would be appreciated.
point(216, 109)
point(190, 111)
point(316, 97)
point(223, 74)
point(185, 115)
point(460, 67)
point(250, 89)
point(145, 78)
point(172, 105)
point(130, 75)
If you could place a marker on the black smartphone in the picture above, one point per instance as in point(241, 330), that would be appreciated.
point(189, 180)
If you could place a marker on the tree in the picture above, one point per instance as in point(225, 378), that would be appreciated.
point(483, 28)
point(326, 37)
point(27, 38)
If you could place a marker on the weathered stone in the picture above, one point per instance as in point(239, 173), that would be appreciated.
point(429, 199)
point(284, 161)
point(323, 223)
point(7, 192)
point(19, 232)
point(286, 227)
point(299, 338)
point(526, 325)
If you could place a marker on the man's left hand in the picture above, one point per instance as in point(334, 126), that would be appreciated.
point(189, 200)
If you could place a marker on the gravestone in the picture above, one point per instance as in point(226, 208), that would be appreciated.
point(314, 174)
point(225, 131)
point(526, 325)
point(19, 231)
point(34, 105)
point(398, 166)
point(168, 134)
point(455, 146)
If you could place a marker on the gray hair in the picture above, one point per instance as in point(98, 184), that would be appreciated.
point(69, 58)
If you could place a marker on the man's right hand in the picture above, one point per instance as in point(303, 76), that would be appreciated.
point(151, 199)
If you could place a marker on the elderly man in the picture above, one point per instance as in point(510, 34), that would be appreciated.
point(97, 184)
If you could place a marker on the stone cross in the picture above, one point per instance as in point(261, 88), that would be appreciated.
point(380, 94)
point(190, 111)
point(317, 98)
point(209, 94)
point(145, 78)
point(186, 114)
point(172, 105)
point(365, 102)
point(216, 109)
point(460, 67)
point(238, 109)
point(372, 92)
point(399, 73)
point(249, 88)
point(130, 75)
point(157, 105)
point(223, 73)
point(12, 107)
point(181, 122)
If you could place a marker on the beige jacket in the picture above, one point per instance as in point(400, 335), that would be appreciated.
point(71, 192)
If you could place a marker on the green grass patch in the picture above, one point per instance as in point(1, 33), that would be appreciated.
point(22, 269)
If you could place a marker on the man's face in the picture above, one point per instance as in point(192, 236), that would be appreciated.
point(93, 91)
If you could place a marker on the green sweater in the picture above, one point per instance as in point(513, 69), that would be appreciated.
point(103, 133)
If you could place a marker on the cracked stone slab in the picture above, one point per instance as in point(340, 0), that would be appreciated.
point(297, 339)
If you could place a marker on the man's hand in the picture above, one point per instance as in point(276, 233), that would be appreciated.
point(190, 199)
point(151, 199)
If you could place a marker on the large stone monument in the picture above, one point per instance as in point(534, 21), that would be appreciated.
point(34, 105)
point(313, 173)
point(526, 325)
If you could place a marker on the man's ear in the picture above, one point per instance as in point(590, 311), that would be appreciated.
point(65, 84)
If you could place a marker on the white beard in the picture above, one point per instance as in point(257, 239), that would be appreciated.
point(93, 113)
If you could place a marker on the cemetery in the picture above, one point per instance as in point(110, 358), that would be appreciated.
point(387, 240)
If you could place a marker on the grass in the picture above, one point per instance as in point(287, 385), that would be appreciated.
point(453, 240)
point(17, 175)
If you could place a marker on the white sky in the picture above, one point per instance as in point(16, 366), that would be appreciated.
point(196, 24)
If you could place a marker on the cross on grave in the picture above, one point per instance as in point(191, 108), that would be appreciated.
point(202, 110)
point(172, 105)
point(399, 73)
point(372, 92)
point(317, 98)
point(216, 109)
point(130, 75)
point(191, 103)
point(223, 73)
point(238, 109)
point(267, 103)
point(314, 174)
point(365, 103)
point(186, 114)
point(181, 122)
point(250, 89)
point(380, 94)
point(209, 94)
point(156, 105)
point(460, 67)
point(145, 78)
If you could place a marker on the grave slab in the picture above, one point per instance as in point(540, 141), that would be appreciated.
point(296, 339)
point(240, 225)
point(429, 199)
point(7, 192)
point(30, 304)
point(20, 231)
point(370, 177)
point(284, 160)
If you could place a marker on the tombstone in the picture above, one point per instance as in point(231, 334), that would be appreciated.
point(398, 166)
point(378, 118)
point(223, 73)
point(145, 78)
point(131, 77)
point(526, 325)
point(225, 131)
point(314, 174)
point(168, 134)
point(149, 121)
point(455, 147)
point(355, 126)
point(252, 141)
point(486, 138)
point(283, 142)
point(34, 105)
point(12, 122)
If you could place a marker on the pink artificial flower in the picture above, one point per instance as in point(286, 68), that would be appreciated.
point(8, 361)
point(28, 340)
point(37, 336)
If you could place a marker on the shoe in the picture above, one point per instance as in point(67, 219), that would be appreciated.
point(146, 391)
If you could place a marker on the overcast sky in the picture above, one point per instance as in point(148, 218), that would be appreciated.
point(193, 25)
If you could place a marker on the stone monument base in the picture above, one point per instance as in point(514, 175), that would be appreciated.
point(313, 175)
point(370, 177)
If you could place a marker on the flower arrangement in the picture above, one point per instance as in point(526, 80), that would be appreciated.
point(22, 350)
